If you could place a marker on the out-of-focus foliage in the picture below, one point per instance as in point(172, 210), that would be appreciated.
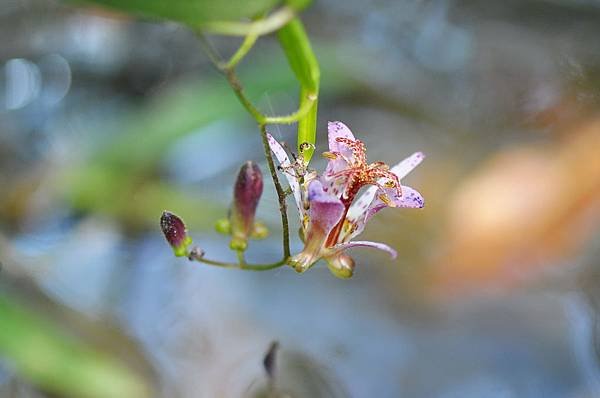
point(192, 13)
point(124, 166)
point(55, 362)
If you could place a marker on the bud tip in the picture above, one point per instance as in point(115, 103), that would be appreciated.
point(175, 232)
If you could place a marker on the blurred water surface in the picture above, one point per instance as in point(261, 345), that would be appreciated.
point(105, 121)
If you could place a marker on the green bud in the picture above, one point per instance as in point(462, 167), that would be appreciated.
point(259, 230)
point(223, 226)
point(341, 266)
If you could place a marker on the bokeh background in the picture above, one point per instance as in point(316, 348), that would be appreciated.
point(106, 120)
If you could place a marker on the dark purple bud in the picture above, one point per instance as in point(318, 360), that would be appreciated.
point(269, 361)
point(246, 195)
point(175, 232)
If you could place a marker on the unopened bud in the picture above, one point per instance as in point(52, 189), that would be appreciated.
point(259, 230)
point(175, 232)
point(246, 195)
point(223, 226)
point(341, 266)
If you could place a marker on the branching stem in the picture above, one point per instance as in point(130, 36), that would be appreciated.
point(228, 70)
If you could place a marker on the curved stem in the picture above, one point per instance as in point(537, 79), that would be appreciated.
point(232, 79)
point(241, 52)
point(261, 27)
point(305, 106)
point(243, 265)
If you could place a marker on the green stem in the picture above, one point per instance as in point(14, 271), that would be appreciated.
point(261, 27)
point(240, 257)
point(232, 79)
point(241, 265)
point(304, 108)
point(241, 52)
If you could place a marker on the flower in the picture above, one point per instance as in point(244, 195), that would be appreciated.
point(175, 232)
point(331, 211)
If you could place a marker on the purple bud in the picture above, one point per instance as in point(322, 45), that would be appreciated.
point(246, 195)
point(175, 232)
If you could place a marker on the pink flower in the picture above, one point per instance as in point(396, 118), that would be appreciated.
point(331, 211)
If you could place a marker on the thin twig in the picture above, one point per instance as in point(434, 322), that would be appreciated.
point(261, 119)
point(280, 192)
point(241, 265)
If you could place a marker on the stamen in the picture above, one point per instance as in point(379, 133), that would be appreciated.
point(388, 202)
point(329, 155)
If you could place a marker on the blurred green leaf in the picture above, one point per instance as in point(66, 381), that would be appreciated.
point(120, 178)
point(42, 354)
point(190, 12)
point(298, 4)
point(302, 60)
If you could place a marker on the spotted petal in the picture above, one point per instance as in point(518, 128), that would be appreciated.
point(407, 165)
point(410, 199)
point(365, 243)
point(325, 212)
point(364, 201)
point(325, 209)
point(337, 130)
point(284, 162)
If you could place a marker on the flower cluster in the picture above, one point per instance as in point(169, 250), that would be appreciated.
point(332, 212)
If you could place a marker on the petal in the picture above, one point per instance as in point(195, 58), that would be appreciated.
point(335, 130)
point(325, 209)
point(334, 186)
point(366, 243)
point(362, 203)
point(406, 166)
point(284, 162)
point(324, 213)
point(360, 215)
point(411, 198)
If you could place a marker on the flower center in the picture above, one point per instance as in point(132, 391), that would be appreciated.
point(356, 175)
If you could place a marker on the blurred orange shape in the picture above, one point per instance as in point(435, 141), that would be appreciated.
point(524, 209)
